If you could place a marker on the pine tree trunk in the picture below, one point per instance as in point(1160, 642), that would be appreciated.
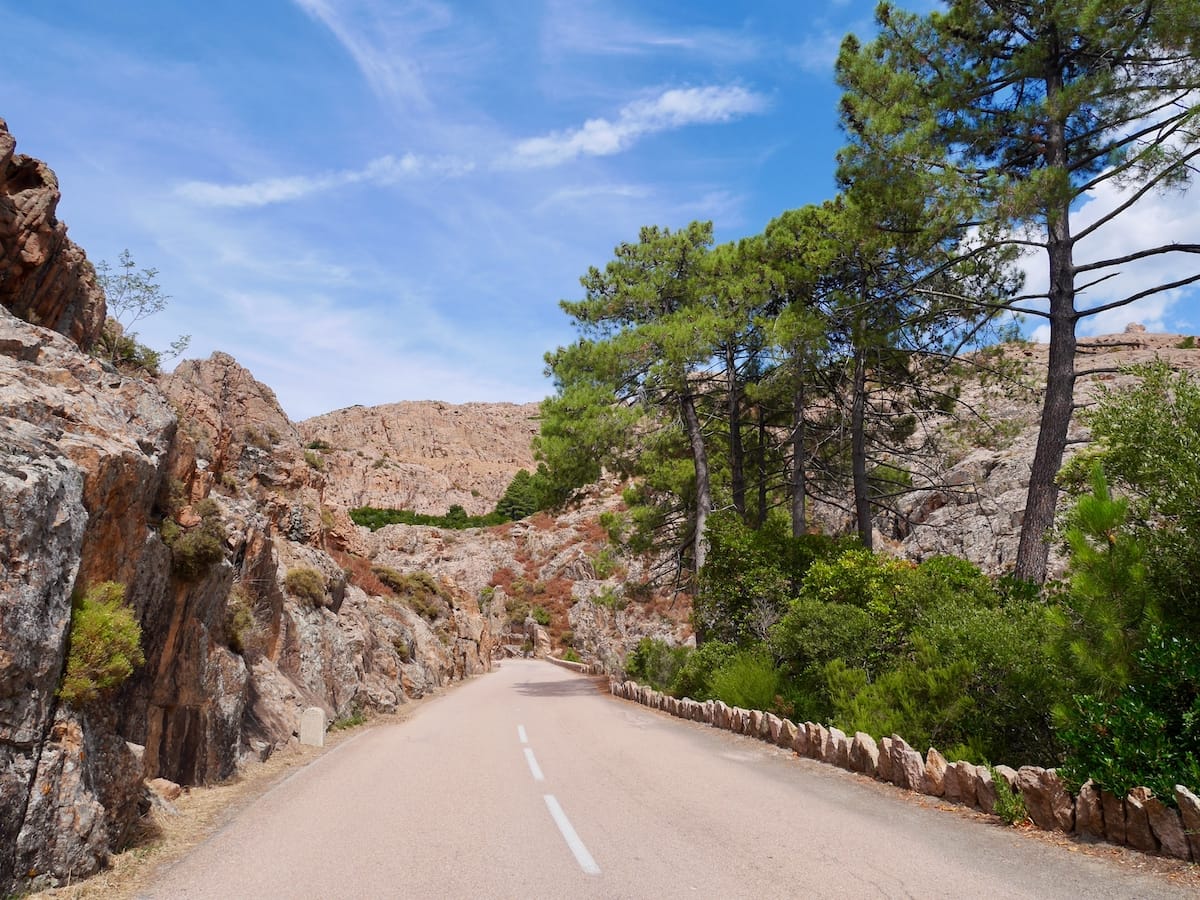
point(858, 450)
point(691, 424)
point(1033, 551)
point(737, 467)
point(761, 517)
point(799, 458)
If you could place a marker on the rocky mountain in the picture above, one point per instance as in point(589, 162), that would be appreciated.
point(423, 456)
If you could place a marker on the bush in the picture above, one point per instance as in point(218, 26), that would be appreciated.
point(104, 645)
point(694, 678)
point(571, 656)
point(751, 575)
point(314, 461)
point(1148, 736)
point(306, 584)
point(540, 615)
point(655, 662)
point(457, 518)
point(1010, 805)
point(749, 680)
point(196, 550)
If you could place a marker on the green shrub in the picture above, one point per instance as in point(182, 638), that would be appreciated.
point(318, 444)
point(540, 615)
point(314, 461)
point(749, 680)
point(694, 678)
point(239, 618)
point(104, 645)
point(457, 518)
point(571, 656)
point(352, 719)
point(196, 550)
point(1149, 735)
point(306, 584)
point(655, 662)
point(751, 575)
point(1187, 343)
point(1010, 805)
point(605, 563)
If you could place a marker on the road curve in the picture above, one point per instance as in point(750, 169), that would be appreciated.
point(532, 782)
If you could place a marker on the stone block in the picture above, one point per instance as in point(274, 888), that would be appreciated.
point(1089, 811)
point(1138, 833)
point(1168, 830)
point(312, 727)
point(1189, 812)
point(1046, 799)
point(864, 754)
point(935, 773)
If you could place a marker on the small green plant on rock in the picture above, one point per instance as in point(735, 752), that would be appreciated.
point(306, 584)
point(1010, 805)
point(104, 647)
point(197, 549)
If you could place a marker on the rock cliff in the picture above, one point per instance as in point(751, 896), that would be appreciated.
point(45, 278)
point(423, 456)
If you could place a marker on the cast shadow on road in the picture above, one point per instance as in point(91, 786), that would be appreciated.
point(568, 687)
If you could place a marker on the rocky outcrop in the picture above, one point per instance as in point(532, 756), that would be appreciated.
point(423, 456)
point(95, 469)
point(45, 278)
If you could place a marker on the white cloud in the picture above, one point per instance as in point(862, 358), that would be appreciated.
point(1156, 220)
point(817, 53)
point(382, 171)
point(577, 27)
point(670, 110)
point(380, 37)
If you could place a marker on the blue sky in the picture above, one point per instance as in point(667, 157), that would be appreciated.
point(375, 200)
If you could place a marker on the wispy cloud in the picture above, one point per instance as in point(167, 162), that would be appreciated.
point(583, 28)
point(670, 110)
point(382, 171)
point(378, 37)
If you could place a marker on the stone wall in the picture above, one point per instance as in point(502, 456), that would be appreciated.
point(1140, 820)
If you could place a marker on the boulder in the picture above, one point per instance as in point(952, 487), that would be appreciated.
point(935, 773)
point(1164, 822)
point(1046, 798)
point(787, 734)
point(1189, 812)
point(1138, 833)
point(774, 727)
point(800, 744)
point(864, 754)
point(979, 780)
point(1113, 809)
point(840, 748)
point(1089, 811)
point(908, 767)
point(721, 717)
point(168, 790)
point(883, 770)
point(757, 719)
point(817, 735)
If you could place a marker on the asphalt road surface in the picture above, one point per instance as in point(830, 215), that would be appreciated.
point(531, 782)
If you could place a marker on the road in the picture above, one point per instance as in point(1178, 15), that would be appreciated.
point(530, 782)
